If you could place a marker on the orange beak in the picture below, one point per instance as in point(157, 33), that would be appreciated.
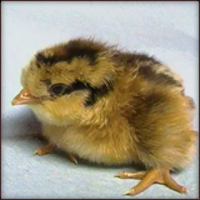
point(25, 97)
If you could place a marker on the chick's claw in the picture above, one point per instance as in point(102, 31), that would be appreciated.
point(72, 158)
point(44, 150)
point(149, 178)
point(171, 183)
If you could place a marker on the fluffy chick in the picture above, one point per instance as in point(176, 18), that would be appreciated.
point(111, 107)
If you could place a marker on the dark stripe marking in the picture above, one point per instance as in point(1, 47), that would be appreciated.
point(74, 49)
point(49, 60)
point(95, 92)
point(132, 58)
point(149, 74)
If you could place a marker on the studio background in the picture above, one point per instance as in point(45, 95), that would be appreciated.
point(167, 30)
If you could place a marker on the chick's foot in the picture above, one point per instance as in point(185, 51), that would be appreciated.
point(44, 150)
point(148, 178)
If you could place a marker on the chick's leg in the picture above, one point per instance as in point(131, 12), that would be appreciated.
point(148, 178)
point(44, 150)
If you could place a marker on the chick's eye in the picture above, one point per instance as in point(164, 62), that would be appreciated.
point(57, 89)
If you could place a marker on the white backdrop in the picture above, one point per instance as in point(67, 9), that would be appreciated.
point(168, 30)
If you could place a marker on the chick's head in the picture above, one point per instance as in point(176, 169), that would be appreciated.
point(67, 82)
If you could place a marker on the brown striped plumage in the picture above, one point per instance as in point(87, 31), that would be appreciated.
point(111, 107)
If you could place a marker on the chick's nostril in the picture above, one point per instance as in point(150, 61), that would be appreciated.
point(26, 94)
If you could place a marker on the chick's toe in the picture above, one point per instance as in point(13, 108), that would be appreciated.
point(148, 178)
point(136, 175)
point(44, 150)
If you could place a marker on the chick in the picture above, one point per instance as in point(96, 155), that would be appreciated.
point(112, 107)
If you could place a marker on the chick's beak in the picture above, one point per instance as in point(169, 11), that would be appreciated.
point(25, 97)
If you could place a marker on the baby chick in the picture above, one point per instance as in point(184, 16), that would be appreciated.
point(98, 103)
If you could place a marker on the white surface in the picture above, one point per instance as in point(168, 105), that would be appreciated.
point(168, 30)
